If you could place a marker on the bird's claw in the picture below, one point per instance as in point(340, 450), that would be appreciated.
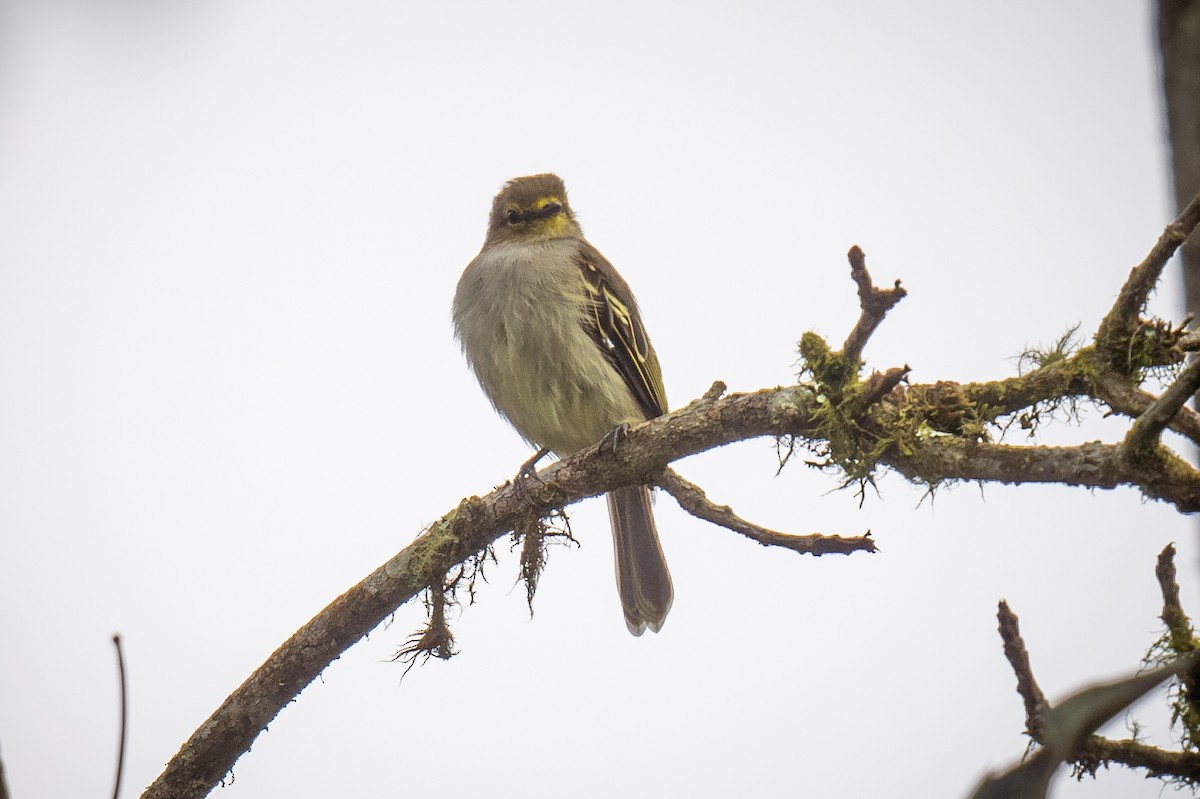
point(613, 438)
point(526, 473)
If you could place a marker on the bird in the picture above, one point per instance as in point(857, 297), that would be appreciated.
point(554, 336)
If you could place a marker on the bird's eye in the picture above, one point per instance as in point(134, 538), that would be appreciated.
point(551, 208)
point(514, 216)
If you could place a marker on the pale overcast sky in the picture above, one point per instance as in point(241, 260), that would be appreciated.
point(229, 237)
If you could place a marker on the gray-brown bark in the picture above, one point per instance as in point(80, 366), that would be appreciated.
point(930, 433)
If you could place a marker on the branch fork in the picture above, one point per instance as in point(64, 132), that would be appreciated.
point(799, 412)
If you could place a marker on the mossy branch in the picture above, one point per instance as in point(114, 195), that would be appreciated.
point(929, 433)
point(1123, 320)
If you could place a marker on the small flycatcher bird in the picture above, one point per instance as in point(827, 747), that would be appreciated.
point(554, 337)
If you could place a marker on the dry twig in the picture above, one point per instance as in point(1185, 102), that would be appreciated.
point(692, 499)
point(1065, 727)
point(1018, 658)
point(873, 301)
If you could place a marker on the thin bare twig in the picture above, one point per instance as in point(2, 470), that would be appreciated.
point(1018, 658)
point(874, 302)
point(692, 499)
point(1172, 615)
point(116, 639)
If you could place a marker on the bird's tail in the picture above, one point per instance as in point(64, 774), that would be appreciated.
point(643, 580)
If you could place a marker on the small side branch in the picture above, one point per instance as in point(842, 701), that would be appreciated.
point(1172, 615)
point(877, 386)
point(1124, 397)
point(1123, 317)
point(1092, 465)
point(1143, 434)
point(1179, 640)
point(124, 691)
point(1018, 658)
point(874, 302)
point(692, 499)
point(1189, 342)
point(1158, 762)
point(1066, 730)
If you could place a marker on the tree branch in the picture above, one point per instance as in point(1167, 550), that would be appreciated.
point(1147, 428)
point(1122, 320)
point(1018, 658)
point(1091, 465)
point(1189, 342)
point(1172, 615)
point(1178, 640)
point(124, 692)
point(1123, 397)
point(929, 433)
point(874, 302)
point(1055, 727)
point(1099, 751)
point(692, 499)
point(478, 521)
point(1011, 394)
point(644, 454)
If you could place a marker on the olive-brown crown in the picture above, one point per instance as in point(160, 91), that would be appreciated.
point(533, 207)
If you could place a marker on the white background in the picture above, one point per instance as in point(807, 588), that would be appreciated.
point(229, 237)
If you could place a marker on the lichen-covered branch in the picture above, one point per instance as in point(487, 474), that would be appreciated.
point(464, 532)
point(929, 433)
point(1127, 399)
point(1066, 729)
point(1178, 639)
point(1157, 762)
point(1147, 428)
point(1163, 475)
point(1123, 319)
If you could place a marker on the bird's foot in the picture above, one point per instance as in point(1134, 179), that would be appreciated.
point(526, 473)
point(613, 438)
